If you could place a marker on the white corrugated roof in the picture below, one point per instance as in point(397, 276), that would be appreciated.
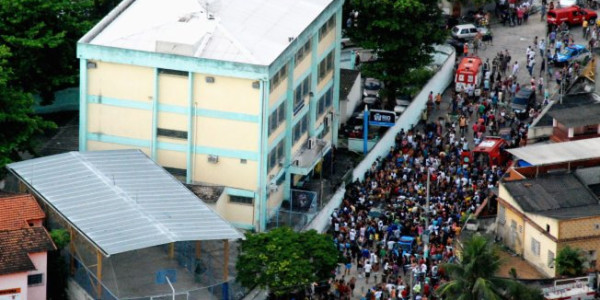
point(559, 152)
point(246, 31)
point(121, 200)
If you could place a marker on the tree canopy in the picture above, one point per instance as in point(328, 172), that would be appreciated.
point(474, 278)
point(570, 262)
point(19, 124)
point(402, 34)
point(283, 260)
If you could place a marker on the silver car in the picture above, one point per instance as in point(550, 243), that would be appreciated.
point(467, 31)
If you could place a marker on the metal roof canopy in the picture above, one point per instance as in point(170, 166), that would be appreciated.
point(558, 153)
point(121, 200)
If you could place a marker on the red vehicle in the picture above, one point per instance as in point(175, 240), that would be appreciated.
point(489, 152)
point(573, 15)
point(469, 74)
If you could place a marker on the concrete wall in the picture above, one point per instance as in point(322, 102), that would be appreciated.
point(40, 261)
point(348, 105)
point(539, 261)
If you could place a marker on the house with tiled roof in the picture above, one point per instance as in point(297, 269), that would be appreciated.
point(24, 244)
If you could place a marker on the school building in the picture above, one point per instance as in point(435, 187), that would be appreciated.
point(232, 93)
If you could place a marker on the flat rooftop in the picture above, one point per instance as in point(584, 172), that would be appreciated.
point(244, 31)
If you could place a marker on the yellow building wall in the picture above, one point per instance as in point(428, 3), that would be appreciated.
point(275, 134)
point(120, 121)
point(227, 172)
point(321, 85)
point(237, 212)
point(275, 198)
point(120, 81)
point(302, 68)
point(173, 89)
point(277, 93)
point(99, 146)
point(226, 94)
point(172, 121)
point(584, 227)
point(543, 221)
point(228, 134)
point(539, 261)
point(326, 42)
point(168, 158)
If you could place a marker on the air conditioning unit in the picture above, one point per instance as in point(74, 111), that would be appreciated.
point(281, 161)
point(272, 187)
point(312, 142)
point(213, 159)
point(295, 162)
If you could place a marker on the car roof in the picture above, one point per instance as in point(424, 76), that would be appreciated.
point(461, 26)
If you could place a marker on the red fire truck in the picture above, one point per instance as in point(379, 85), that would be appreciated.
point(469, 74)
point(489, 152)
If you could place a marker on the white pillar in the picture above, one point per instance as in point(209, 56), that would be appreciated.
point(571, 132)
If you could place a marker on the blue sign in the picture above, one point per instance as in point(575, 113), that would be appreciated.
point(382, 118)
point(161, 276)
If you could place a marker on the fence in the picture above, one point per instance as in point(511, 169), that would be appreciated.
point(296, 213)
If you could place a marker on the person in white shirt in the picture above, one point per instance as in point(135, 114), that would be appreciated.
point(368, 268)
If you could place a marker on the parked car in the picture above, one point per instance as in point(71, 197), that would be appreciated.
point(371, 87)
point(467, 31)
point(573, 53)
point(573, 15)
point(522, 102)
point(401, 106)
point(371, 101)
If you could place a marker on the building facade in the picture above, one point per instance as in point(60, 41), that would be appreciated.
point(237, 94)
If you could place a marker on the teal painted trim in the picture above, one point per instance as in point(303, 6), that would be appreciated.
point(120, 102)
point(276, 141)
point(83, 105)
point(189, 155)
point(262, 166)
point(277, 103)
point(301, 78)
point(176, 109)
point(139, 143)
point(200, 112)
point(336, 77)
point(241, 154)
point(288, 132)
point(306, 171)
point(312, 29)
point(154, 137)
point(299, 116)
point(239, 192)
point(319, 129)
point(327, 51)
point(242, 225)
point(172, 146)
point(314, 71)
point(171, 61)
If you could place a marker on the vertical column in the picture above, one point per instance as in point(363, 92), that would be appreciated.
point(154, 143)
point(571, 132)
point(198, 249)
point(336, 77)
point(190, 155)
point(99, 274)
point(83, 105)
point(225, 269)
point(171, 250)
point(71, 251)
point(289, 117)
point(314, 73)
point(261, 201)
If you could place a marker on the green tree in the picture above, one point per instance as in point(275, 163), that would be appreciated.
point(18, 124)
point(570, 262)
point(57, 266)
point(402, 34)
point(42, 36)
point(475, 277)
point(283, 260)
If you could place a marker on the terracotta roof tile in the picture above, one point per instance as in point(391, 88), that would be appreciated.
point(16, 244)
point(17, 210)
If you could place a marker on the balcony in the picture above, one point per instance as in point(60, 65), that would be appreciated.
point(309, 155)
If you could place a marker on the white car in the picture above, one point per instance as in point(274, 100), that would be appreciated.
point(372, 87)
point(401, 106)
point(467, 31)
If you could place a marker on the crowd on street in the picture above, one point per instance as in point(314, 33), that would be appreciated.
point(379, 228)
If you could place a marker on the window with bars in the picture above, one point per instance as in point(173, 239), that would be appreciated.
point(241, 199)
point(300, 128)
point(35, 279)
point(535, 247)
point(300, 93)
point(278, 78)
point(171, 133)
point(276, 118)
point(328, 26)
point(325, 102)
point(276, 155)
point(303, 52)
point(326, 66)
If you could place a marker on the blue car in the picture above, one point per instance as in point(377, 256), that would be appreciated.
point(573, 53)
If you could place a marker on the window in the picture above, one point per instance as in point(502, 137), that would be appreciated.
point(535, 247)
point(513, 225)
point(326, 66)
point(243, 161)
point(550, 259)
point(303, 52)
point(279, 77)
point(520, 229)
point(300, 128)
point(176, 171)
point(210, 79)
point(172, 72)
point(171, 133)
point(592, 258)
point(324, 102)
point(275, 156)
point(501, 214)
point(547, 228)
point(329, 25)
point(277, 117)
point(35, 279)
point(241, 199)
point(300, 93)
